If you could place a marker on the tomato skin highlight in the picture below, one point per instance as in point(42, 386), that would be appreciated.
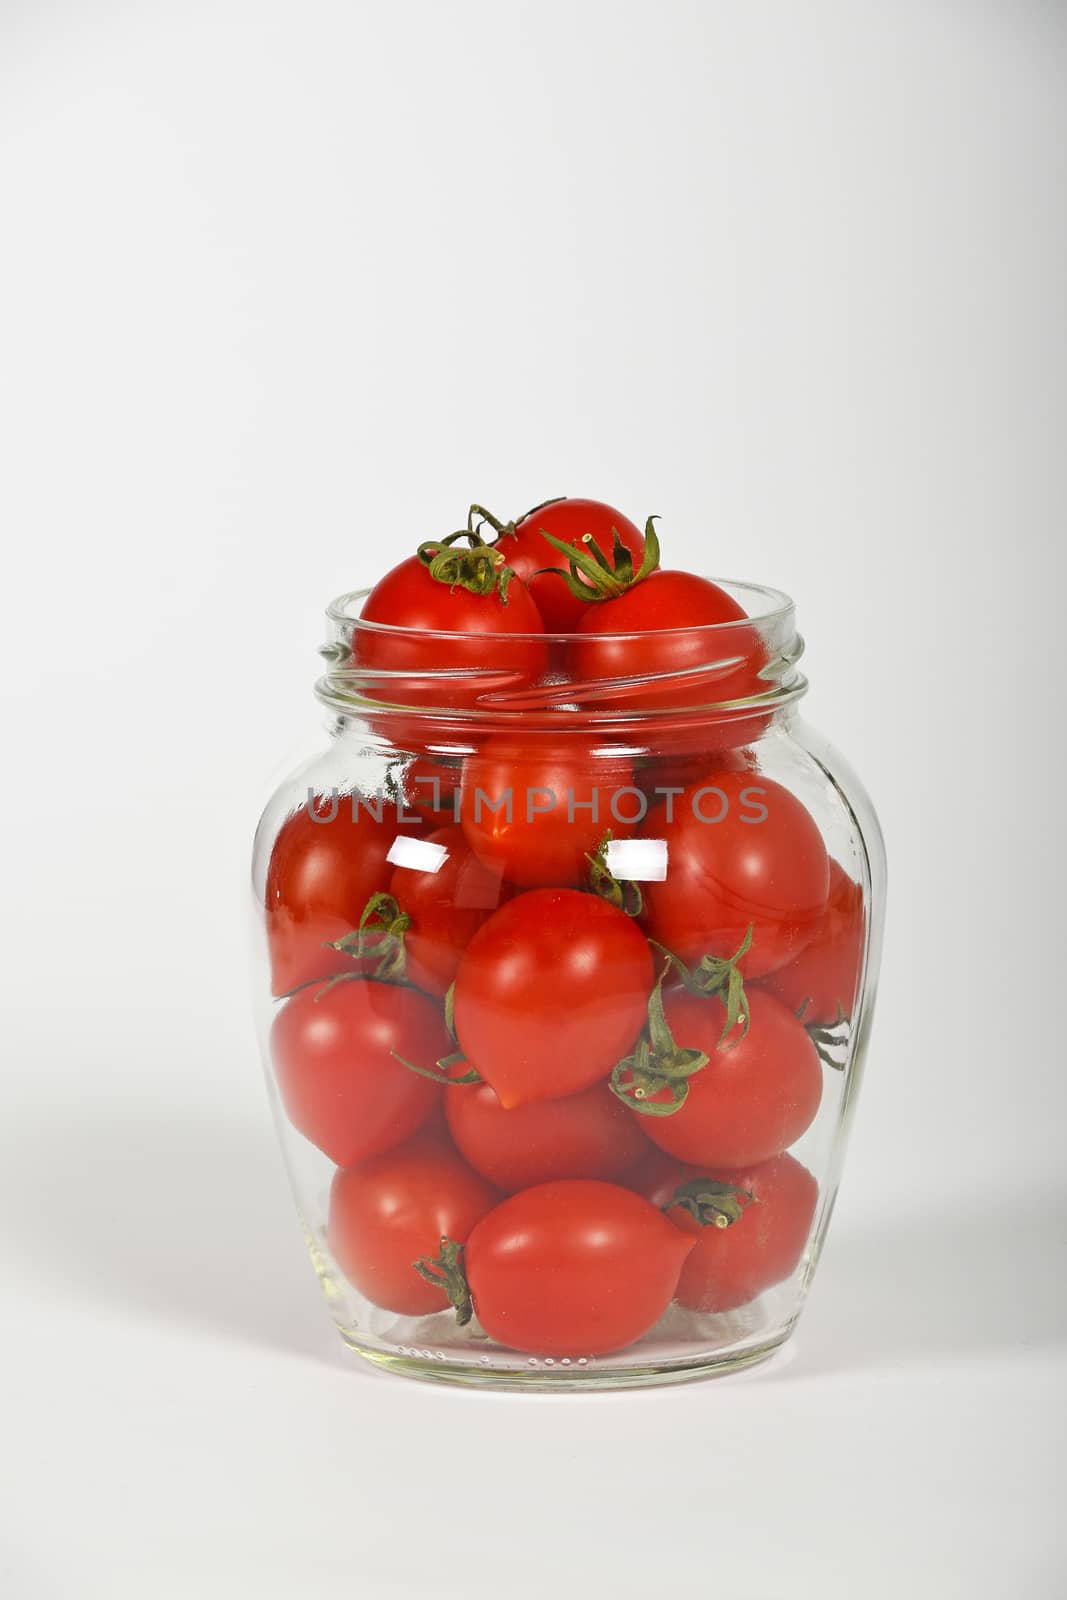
point(590, 1134)
point(393, 1209)
point(551, 992)
point(824, 977)
point(447, 907)
point(728, 869)
point(537, 807)
point(320, 876)
point(758, 1092)
point(490, 637)
point(535, 561)
point(573, 1268)
point(338, 1080)
point(729, 1267)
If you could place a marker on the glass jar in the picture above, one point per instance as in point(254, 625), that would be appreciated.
point(565, 977)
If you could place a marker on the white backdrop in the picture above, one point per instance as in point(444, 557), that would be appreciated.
point(285, 287)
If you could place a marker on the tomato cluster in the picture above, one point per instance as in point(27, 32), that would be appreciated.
point(559, 1008)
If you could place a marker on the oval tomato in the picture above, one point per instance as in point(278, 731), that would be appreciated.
point(820, 983)
point(394, 1208)
point(741, 852)
point(552, 990)
point(730, 1266)
point(661, 626)
point(447, 901)
point(338, 1078)
point(492, 639)
point(573, 1268)
point(757, 1094)
point(587, 1135)
point(537, 807)
point(327, 861)
point(537, 562)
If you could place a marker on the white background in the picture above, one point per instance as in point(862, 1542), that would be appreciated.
point(282, 288)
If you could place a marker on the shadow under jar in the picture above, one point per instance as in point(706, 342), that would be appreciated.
point(567, 967)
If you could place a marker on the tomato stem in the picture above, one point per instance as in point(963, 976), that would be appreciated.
point(446, 1271)
point(831, 1040)
point(624, 895)
point(380, 934)
point(479, 569)
point(442, 1072)
point(657, 1066)
point(592, 575)
point(719, 976)
point(710, 1202)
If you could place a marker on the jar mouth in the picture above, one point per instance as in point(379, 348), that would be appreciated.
point(492, 690)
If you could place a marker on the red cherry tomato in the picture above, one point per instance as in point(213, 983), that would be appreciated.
point(741, 852)
point(552, 991)
point(587, 1135)
point(729, 1266)
point(820, 984)
point(537, 807)
point(663, 622)
point(573, 1268)
point(339, 1081)
point(493, 638)
point(326, 863)
point(447, 900)
point(391, 1210)
point(535, 561)
point(757, 1094)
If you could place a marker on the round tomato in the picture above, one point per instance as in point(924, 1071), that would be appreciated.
point(730, 1265)
point(494, 639)
point(538, 562)
point(552, 990)
point(820, 983)
point(758, 1092)
point(394, 1208)
point(661, 626)
point(741, 852)
point(573, 1268)
point(447, 898)
point(327, 861)
point(587, 1135)
point(338, 1077)
point(537, 807)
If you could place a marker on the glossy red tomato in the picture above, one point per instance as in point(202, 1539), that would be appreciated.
point(326, 863)
point(494, 639)
point(552, 991)
point(820, 984)
point(537, 807)
point(394, 1208)
point(729, 1266)
point(662, 625)
point(741, 851)
point(573, 1268)
point(447, 893)
point(590, 1134)
point(757, 1094)
point(337, 1075)
point(536, 561)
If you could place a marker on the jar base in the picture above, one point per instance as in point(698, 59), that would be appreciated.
point(528, 1374)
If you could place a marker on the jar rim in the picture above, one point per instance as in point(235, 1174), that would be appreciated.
point(778, 606)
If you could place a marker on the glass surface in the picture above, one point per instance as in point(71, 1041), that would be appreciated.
point(564, 983)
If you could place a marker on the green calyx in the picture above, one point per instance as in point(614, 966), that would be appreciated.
point(445, 1271)
point(443, 1071)
point(592, 575)
point(711, 1203)
point(719, 976)
point(379, 938)
point(623, 894)
point(658, 1066)
point(479, 569)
